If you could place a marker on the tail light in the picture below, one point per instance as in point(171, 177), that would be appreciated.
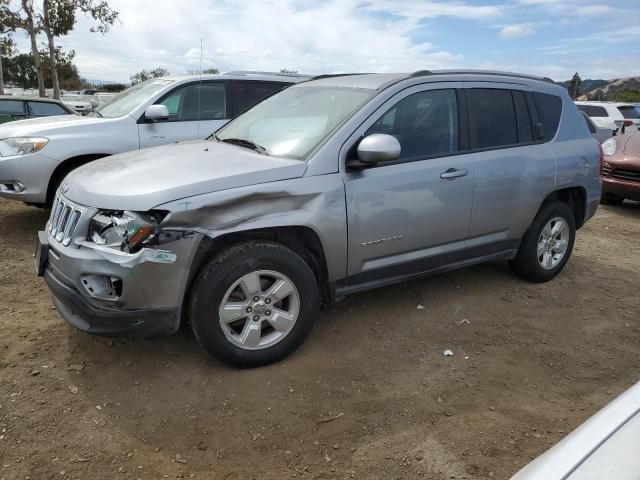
point(627, 123)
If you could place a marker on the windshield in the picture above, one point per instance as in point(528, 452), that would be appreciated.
point(630, 111)
point(293, 122)
point(127, 101)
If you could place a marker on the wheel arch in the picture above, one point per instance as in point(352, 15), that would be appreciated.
point(301, 239)
point(63, 168)
point(575, 197)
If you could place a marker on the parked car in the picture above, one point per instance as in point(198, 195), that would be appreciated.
point(614, 116)
point(604, 447)
point(79, 103)
point(327, 188)
point(20, 108)
point(621, 169)
point(156, 112)
point(600, 134)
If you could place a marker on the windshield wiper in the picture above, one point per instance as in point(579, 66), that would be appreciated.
point(241, 142)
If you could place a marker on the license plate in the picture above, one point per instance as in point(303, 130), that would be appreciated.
point(42, 253)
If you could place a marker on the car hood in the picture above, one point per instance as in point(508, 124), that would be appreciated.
point(45, 125)
point(632, 144)
point(143, 179)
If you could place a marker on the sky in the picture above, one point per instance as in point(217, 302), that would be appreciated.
point(549, 38)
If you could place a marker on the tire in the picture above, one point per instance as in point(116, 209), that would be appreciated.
point(528, 263)
point(608, 199)
point(246, 342)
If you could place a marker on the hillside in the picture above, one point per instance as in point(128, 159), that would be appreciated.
point(587, 85)
point(621, 89)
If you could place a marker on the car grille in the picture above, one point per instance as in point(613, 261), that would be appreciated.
point(63, 221)
point(624, 174)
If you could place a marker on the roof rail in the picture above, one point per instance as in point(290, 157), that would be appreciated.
point(273, 74)
point(332, 75)
point(424, 73)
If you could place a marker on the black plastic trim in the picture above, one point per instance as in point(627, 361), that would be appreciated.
point(76, 311)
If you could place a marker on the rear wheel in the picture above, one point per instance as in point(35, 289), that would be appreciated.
point(547, 245)
point(254, 304)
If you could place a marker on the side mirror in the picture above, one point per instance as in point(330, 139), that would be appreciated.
point(155, 113)
point(377, 147)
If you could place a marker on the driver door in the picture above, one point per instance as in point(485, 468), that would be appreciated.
point(408, 216)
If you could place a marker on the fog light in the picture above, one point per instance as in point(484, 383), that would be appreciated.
point(102, 287)
point(12, 186)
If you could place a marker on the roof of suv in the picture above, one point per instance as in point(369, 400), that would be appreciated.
point(380, 81)
point(28, 98)
point(244, 75)
point(604, 104)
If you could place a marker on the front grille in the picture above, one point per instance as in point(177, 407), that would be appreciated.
point(606, 170)
point(625, 174)
point(63, 221)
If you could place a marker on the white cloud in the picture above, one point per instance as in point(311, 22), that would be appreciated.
point(323, 37)
point(518, 30)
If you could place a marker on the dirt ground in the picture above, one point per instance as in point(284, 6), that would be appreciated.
point(370, 395)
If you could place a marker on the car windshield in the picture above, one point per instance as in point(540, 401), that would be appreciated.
point(630, 111)
point(292, 123)
point(127, 101)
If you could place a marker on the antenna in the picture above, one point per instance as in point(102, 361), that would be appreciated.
point(200, 89)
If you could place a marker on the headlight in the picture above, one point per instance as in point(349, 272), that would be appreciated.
point(21, 145)
point(609, 147)
point(127, 230)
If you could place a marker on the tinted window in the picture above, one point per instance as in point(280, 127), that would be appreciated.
point(424, 123)
point(594, 111)
point(629, 112)
point(213, 98)
point(492, 118)
point(12, 107)
point(247, 94)
point(549, 109)
point(583, 108)
point(523, 119)
point(196, 102)
point(45, 109)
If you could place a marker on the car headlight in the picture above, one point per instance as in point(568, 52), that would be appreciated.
point(609, 147)
point(21, 145)
point(126, 230)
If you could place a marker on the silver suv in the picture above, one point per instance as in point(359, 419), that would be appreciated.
point(327, 188)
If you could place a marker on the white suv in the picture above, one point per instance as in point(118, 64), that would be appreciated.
point(614, 116)
point(36, 154)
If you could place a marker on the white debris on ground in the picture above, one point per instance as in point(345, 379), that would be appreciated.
point(448, 353)
point(419, 307)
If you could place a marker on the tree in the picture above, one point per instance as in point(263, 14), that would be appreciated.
point(211, 71)
point(21, 70)
point(9, 21)
point(148, 74)
point(574, 86)
point(66, 71)
point(29, 24)
point(288, 72)
point(59, 17)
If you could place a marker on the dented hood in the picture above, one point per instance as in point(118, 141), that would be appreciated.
point(143, 179)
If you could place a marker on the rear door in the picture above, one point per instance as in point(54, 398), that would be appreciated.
point(411, 215)
point(513, 169)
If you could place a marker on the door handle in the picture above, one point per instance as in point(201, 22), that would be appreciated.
point(453, 173)
point(586, 165)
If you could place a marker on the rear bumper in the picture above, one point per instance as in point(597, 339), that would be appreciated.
point(621, 188)
point(76, 311)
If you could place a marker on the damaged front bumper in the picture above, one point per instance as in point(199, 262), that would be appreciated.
point(79, 313)
point(101, 290)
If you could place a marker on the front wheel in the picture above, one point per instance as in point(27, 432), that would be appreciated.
point(547, 245)
point(254, 304)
